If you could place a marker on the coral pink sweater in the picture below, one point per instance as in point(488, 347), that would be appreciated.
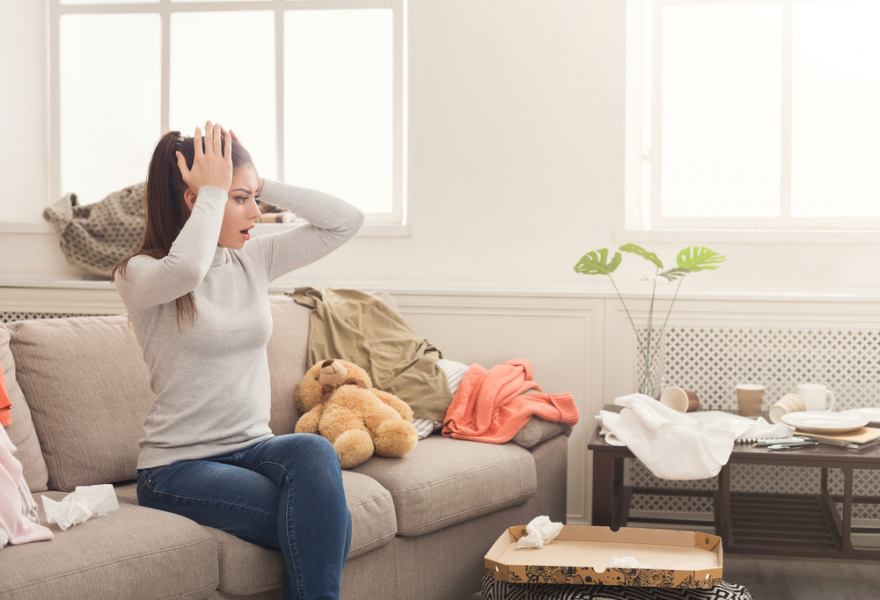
point(5, 404)
point(490, 405)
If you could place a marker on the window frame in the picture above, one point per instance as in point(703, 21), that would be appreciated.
point(385, 222)
point(644, 136)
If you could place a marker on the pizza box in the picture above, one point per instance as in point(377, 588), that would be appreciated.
point(581, 555)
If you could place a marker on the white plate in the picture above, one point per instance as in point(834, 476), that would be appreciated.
point(872, 414)
point(711, 417)
point(820, 421)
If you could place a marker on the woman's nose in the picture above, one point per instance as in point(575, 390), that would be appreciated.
point(254, 212)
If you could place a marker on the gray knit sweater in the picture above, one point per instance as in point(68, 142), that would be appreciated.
point(211, 377)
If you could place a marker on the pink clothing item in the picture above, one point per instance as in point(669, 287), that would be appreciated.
point(489, 405)
point(18, 527)
point(5, 403)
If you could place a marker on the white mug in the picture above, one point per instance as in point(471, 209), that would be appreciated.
point(816, 396)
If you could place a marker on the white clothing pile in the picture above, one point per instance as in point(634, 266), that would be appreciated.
point(673, 445)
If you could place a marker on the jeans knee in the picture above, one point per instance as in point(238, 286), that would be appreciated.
point(321, 451)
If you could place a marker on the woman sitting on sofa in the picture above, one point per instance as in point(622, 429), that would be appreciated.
point(196, 295)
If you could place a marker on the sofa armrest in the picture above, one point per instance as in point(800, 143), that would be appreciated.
point(538, 430)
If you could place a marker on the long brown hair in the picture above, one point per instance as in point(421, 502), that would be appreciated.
point(165, 209)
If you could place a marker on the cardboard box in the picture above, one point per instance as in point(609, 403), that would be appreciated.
point(580, 555)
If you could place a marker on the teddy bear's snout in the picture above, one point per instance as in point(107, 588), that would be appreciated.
point(333, 369)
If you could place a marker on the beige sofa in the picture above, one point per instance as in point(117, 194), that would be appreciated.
point(421, 524)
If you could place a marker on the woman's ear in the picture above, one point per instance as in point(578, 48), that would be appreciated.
point(189, 197)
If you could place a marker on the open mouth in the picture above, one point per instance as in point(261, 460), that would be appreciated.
point(245, 233)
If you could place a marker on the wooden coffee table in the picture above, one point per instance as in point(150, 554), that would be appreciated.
point(805, 525)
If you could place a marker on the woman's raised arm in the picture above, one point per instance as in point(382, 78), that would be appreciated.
point(332, 222)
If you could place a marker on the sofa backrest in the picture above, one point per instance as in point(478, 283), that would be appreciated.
point(21, 431)
point(87, 387)
point(88, 390)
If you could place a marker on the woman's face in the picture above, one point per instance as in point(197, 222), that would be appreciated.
point(241, 209)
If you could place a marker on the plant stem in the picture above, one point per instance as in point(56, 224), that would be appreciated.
point(650, 330)
point(636, 331)
point(668, 312)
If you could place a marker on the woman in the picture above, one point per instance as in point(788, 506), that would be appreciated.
point(196, 294)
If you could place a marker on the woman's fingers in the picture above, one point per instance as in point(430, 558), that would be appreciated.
point(198, 142)
point(210, 166)
point(218, 147)
point(209, 139)
point(181, 163)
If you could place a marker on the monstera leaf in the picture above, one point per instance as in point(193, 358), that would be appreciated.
point(699, 258)
point(650, 256)
point(673, 274)
point(596, 263)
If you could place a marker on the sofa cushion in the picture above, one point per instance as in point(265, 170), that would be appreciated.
point(88, 390)
point(133, 552)
point(537, 430)
point(287, 351)
point(21, 431)
point(443, 481)
point(249, 569)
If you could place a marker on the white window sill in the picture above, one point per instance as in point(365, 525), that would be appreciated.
point(749, 236)
point(368, 230)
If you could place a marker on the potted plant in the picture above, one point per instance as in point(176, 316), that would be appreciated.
point(689, 260)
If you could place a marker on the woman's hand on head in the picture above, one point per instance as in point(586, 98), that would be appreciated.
point(210, 166)
point(237, 141)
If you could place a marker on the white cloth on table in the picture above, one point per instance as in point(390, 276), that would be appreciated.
point(673, 445)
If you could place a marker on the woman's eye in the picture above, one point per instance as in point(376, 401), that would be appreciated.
point(242, 199)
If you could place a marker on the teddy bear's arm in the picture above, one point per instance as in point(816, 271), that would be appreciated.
point(395, 403)
point(308, 423)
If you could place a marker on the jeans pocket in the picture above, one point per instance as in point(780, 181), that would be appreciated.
point(149, 474)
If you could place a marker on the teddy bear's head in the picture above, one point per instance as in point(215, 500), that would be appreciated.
point(333, 372)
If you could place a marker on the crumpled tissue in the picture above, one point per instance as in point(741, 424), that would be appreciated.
point(627, 562)
point(539, 531)
point(80, 505)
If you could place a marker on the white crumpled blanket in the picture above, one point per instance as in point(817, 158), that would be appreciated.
point(673, 445)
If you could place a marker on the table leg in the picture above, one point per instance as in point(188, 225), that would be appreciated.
point(724, 491)
point(846, 543)
point(603, 488)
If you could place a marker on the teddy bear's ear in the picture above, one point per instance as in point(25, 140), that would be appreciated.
point(356, 372)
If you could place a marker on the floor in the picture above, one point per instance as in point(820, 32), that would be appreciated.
point(775, 578)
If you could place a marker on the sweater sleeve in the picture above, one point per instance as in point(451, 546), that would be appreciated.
point(331, 223)
point(149, 281)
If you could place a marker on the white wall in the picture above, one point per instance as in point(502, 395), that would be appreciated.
point(515, 149)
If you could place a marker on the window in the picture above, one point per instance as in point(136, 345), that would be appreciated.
point(314, 89)
point(747, 114)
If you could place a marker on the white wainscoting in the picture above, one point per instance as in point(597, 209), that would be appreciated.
point(578, 343)
point(560, 337)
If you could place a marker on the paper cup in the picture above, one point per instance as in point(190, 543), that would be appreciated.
point(750, 399)
point(787, 404)
point(675, 398)
point(693, 401)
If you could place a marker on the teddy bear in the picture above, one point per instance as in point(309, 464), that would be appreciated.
point(337, 400)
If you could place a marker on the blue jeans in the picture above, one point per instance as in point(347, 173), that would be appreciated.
point(284, 493)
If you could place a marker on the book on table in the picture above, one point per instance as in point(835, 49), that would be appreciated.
point(850, 439)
